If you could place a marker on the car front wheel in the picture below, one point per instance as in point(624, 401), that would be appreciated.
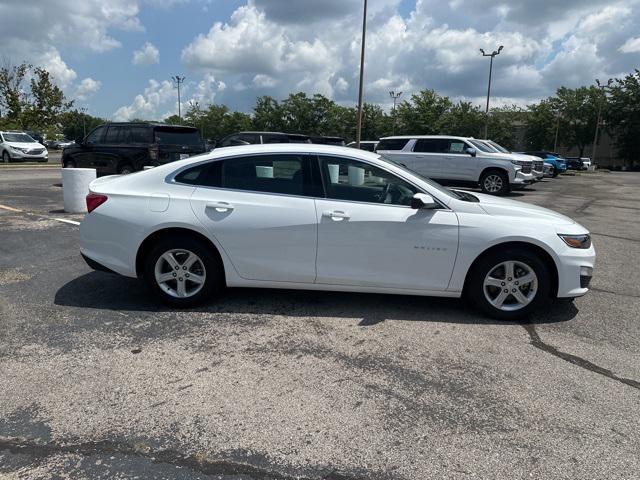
point(509, 284)
point(182, 272)
point(494, 182)
point(5, 157)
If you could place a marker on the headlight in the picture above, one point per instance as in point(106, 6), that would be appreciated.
point(577, 241)
point(18, 149)
point(522, 163)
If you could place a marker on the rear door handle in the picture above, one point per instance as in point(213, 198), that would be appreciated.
point(220, 206)
point(337, 215)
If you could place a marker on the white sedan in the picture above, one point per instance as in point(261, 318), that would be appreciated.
point(305, 216)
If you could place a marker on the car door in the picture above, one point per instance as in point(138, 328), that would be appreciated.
point(457, 164)
point(369, 236)
point(263, 215)
point(427, 156)
point(86, 154)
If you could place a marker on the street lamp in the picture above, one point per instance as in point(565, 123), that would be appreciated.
point(395, 96)
point(177, 80)
point(493, 54)
point(360, 86)
point(595, 137)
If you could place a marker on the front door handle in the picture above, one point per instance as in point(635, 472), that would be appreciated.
point(220, 206)
point(337, 215)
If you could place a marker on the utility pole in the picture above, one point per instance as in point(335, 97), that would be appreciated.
point(595, 137)
point(555, 142)
point(177, 80)
point(493, 54)
point(360, 87)
point(395, 96)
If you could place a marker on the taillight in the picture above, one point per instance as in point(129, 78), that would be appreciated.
point(94, 200)
point(153, 153)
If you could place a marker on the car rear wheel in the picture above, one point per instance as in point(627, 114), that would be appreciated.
point(125, 169)
point(5, 157)
point(494, 182)
point(182, 272)
point(509, 284)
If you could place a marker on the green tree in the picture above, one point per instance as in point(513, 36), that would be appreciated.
point(422, 114)
point(623, 116)
point(12, 95)
point(540, 123)
point(267, 114)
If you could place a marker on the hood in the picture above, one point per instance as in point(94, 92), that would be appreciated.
point(29, 145)
point(498, 206)
point(508, 156)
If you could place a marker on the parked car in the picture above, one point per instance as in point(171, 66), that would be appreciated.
point(327, 140)
point(120, 148)
point(255, 138)
point(36, 136)
point(368, 145)
point(555, 160)
point(574, 163)
point(19, 146)
point(538, 163)
point(62, 144)
point(318, 217)
point(583, 162)
point(459, 160)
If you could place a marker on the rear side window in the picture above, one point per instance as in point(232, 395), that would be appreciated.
point(138, 135)
point(392, 144)
point(431, 145)
point(284, 174)
point(203, 175)
point(177, 137)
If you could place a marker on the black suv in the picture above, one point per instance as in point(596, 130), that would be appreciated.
point(127, 147)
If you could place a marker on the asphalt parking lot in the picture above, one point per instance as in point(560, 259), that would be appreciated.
point(99, 381)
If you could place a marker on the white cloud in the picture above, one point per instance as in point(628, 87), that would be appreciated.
point(147, 55)
point(146, 105)
point(264, 81)
point(87, 88)
point(631, 46)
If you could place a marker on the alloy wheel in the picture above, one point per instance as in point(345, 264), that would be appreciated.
point(510, 286)
point(180, 273)
point(493, 183)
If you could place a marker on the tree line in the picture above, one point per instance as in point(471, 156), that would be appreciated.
point(566, 119)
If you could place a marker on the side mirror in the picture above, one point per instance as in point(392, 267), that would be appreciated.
point(471, 151)
point(423, 201)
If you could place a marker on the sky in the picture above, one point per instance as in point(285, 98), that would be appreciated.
point(117, 57)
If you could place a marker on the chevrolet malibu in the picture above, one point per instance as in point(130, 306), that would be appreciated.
point(316, 217)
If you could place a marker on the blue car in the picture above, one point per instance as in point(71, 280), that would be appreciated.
point(557, 161)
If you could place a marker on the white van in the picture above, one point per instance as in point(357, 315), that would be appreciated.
point(456, 159)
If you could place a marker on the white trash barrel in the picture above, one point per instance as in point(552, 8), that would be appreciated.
point(334, 172)
point(75, 187)
point(356, 175)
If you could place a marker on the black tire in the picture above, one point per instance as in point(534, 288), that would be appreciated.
point(125, 169)
point(555, 173)
point(210, 265)
point(69, 164)
point(495, 182)
point(489, 263)
point(5, 157)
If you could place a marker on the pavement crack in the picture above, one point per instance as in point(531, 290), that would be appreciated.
point(602, 290)
point(537, 342)
point(198, 463)
point(635, 240)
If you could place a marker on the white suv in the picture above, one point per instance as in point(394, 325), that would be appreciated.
point(20, 146)
point(458, 159)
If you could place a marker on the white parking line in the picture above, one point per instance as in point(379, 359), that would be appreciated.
point(11, 209)
point(64, 220)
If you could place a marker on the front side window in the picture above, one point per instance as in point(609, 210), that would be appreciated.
point(347, 179)
point(115, 135)
point(95, 136)
point(250, 138)
point(457, 146)
point(277, 173)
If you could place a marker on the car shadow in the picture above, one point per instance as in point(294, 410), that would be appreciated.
point(104, 291)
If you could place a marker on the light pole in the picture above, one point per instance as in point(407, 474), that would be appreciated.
point(395, 96)
point(83, 111)
point(177, 80)
point(493, 54)
point(595, 137)
point(360, 86)
point(555, 142)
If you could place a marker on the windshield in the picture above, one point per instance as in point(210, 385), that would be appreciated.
point(498, 147)
point(435, 185)
point(481, 146)
point(18, 137)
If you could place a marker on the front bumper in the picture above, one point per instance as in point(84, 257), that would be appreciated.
point(575, 270)
point(522, 179)
point(25, 157)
